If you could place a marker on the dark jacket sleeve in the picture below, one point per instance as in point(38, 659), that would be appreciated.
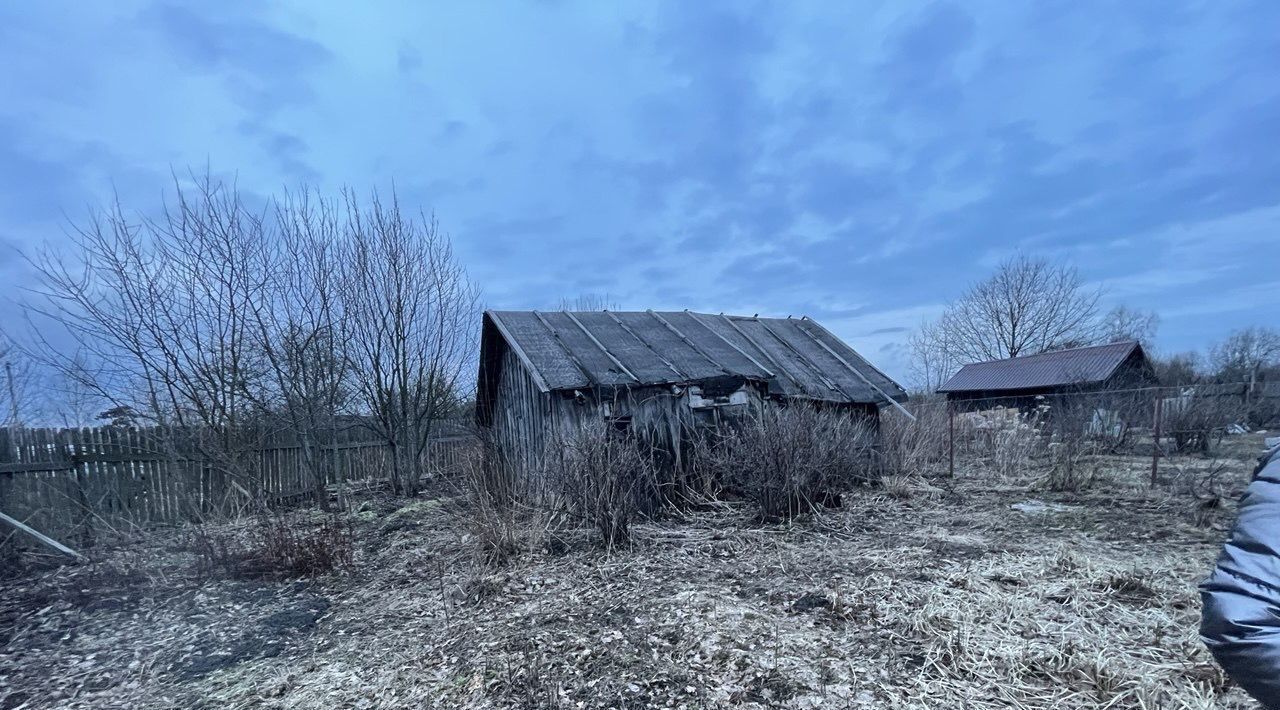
point(1241, 598)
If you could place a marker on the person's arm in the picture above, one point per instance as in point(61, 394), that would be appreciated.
point(1240, 621)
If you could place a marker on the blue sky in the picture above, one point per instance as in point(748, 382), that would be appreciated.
point(857, 162)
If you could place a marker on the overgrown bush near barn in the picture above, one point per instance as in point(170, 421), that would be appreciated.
point(1264, 412)
point(1071, 465)
point(488, 488)
point(1195, 421)
point(603, 477)
point(506, 511)
point(790, 460)
point(274, 545)
point(1074, 443)
point(591, 474)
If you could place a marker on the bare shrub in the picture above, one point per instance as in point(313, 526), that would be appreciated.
point(792, 459)
point(274, 546)
point(1070, 465)
point(1195, 420)
point(503, 514)
point(1076, 438)
point(909, 447)
point(1205, 481)
point(603, 478)
point(1108, 418)
point(1007, 438)
point(1264, 412)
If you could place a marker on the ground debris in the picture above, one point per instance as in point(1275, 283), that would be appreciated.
point(887, 602)
point(1038, 506)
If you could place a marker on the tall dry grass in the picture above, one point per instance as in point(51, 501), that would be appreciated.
point(910, 448)
point(603, 477)
point(501, 515)
point(589, 476)
point(1005, 439)
point(790, 460)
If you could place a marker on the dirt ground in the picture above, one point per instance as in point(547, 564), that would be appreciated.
point(977, 593)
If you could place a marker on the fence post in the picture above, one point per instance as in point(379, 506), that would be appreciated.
point(1155, 444)
point(951, 441)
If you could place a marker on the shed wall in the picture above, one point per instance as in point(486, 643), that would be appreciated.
point(520, 412)
point(673, 422)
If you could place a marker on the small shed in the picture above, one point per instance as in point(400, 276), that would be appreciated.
point(1027, 381)
point(663, 375)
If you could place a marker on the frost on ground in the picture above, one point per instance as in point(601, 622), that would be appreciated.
point(950, 599)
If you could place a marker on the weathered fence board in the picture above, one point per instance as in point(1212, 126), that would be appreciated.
point(78, 484)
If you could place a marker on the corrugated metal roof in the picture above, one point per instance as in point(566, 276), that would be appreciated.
point(1076, 366)
point(797, 357)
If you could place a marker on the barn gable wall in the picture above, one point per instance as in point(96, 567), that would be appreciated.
point(519, 411)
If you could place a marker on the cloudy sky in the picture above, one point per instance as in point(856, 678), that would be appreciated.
point(857, 162)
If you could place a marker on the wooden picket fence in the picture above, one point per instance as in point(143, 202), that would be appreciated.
point(82, 484)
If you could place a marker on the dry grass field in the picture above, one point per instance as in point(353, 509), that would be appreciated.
point(983, 592)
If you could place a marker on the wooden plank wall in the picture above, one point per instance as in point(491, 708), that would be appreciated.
point(521, 416)
point(79, 485)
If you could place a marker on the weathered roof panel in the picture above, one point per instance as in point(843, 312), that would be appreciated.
point(824, 360)
point(638, 357)
point(716, 347)
point(875, 378)
point(545, 354)
point(806, 380)
point(693, 364)
point(619, 348)
point(579, 348)
point(1075, 366)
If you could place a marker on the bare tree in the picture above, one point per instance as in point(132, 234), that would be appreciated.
point(1028, 306)
point(302, 332)
point(1245, 353)
point(1179, 368)
point(157, 312)
point(1125, 323)
point(589, 302)
point(933, 359)
point(231, 329)
point(413, 317)
point(19, 387)
point(73, 404)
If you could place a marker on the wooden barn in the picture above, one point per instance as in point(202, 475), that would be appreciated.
point(1027, 381)
point(662, 375)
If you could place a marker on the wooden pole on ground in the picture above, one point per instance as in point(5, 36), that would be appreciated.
point(43, 538)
